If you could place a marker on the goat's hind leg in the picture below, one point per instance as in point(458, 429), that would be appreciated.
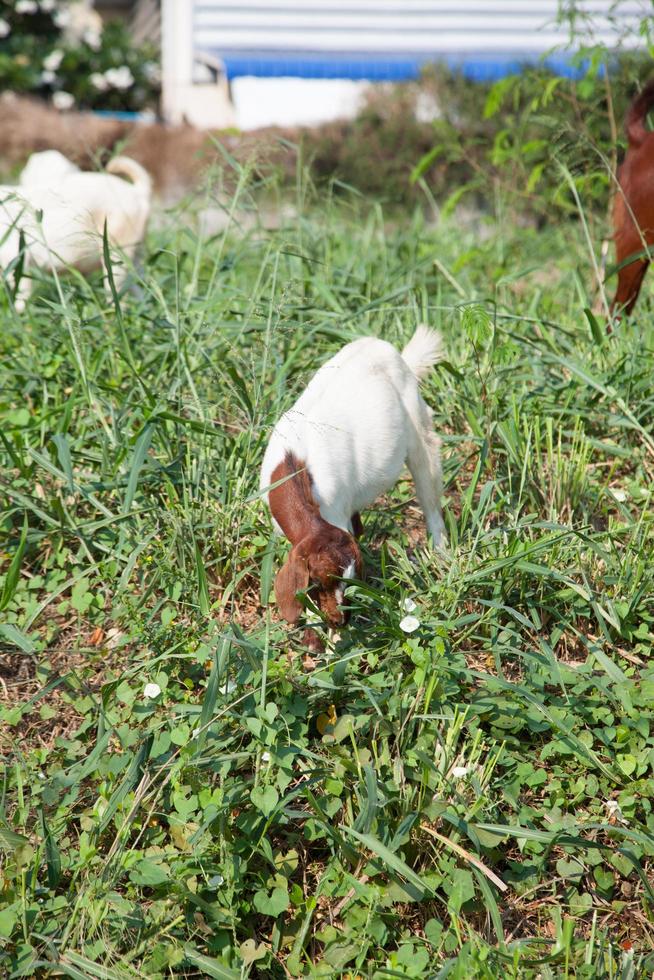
point(424, 461)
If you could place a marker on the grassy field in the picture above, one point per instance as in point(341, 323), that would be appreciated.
point(470, 800)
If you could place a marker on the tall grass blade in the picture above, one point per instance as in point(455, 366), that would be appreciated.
point(13, 572)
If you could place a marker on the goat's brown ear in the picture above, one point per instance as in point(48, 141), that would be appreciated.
point(292, 577)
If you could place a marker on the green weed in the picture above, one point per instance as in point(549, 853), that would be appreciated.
point(182, 794)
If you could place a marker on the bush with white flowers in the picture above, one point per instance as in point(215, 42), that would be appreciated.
point(60, 50)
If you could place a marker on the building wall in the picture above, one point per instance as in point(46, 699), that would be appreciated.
point(388, 38)
point(263, 44)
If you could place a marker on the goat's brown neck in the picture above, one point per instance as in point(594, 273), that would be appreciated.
point(292, 503)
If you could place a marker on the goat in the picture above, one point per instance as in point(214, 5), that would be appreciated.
point(62, 212)
point(633, 212)
point(344, 442)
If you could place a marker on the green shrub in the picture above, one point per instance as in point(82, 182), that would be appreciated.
point(89, 69)
point(505, 141)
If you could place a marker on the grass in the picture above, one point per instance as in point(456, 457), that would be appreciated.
point(472, 800)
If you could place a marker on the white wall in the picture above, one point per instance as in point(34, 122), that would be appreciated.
point(294, 101)
point(316, 36)
point(422, 26)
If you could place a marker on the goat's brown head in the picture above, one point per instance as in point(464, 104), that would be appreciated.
point(318, 563)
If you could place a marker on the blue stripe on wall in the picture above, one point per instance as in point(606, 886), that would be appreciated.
point(382, 68)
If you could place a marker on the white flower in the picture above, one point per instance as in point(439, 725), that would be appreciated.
point(151, 71)
point(229, 688)
point(98, 81)
point(409, 624)
point(409, 605)
point(54, 59)
point(4, 28)
point(460, 771)
point(48, 5)
point(614, 812)
point(62, 18)
point(47, 77)
point(265, 756)
point(26, 7)
point(215, 881)
point(120, 78)
point(617, 494)
point(93, 38)
point(151, 690)
point(63, 100)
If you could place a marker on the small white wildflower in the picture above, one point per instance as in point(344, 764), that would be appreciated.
point(152, 71)
point(614, 812)
point(98, 81)
point(63, 100)
point(409, 605)
point(53, 60)
point(26, 7)
point(47, 6)
point(215, 881)
point(151, 690)
point(195, 733)
point(5, 29)
point(47, 77)
point(120, 78)
point(619, 495)
point(409, 624)
point(229, 688)
point(93, 38)
point(62, 18)
point(265, 756)
point(460, 771)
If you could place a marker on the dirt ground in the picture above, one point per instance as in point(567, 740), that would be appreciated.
point(175, 156)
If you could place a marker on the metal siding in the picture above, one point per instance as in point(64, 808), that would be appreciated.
point(390, 39)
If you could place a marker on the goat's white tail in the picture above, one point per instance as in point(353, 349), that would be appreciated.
point(126, 167)
point(423, 350)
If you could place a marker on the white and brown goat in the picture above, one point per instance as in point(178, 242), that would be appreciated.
point(344, 442)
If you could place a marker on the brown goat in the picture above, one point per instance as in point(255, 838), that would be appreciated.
point(633, 213)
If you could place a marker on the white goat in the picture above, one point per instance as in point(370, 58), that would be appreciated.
point(344, 442)
point(62, 216)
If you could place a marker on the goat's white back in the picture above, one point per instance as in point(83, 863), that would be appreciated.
point(46, 167)
point(360, 418)
point(63, 219)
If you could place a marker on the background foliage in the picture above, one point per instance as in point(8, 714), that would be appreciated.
point(490, 144)
point(185, 791)
point(96, 68)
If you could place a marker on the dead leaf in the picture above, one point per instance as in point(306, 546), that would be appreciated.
point(114, 636)
point(96, 637)
point(328, 720)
